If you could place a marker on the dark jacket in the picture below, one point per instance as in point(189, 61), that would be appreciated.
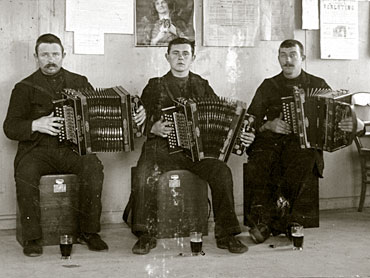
point(31, 99)
point(156, 96)
point(266, 104)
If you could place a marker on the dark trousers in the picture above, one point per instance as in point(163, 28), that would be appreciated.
point(215, 172)
point(43, 161)
point(277, 166)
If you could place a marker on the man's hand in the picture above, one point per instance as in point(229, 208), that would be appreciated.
point(140, 116)
point(163, 34)
point(47, 124)
point(347, 125)
point(172, 29)
point(247, 138)
point(162, 128)
point(277, 125)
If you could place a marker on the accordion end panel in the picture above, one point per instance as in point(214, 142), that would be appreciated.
point(208, 127)
point(314, 116)
point(96, 120)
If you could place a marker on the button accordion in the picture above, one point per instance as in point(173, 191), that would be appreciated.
point(314, 116)
point(207, 127)
point(98, 120)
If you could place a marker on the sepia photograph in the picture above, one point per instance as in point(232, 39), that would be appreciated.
point(160, 21)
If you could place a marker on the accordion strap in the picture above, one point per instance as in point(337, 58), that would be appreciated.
point(37, 87)
point(170, 95)
point(275, 83)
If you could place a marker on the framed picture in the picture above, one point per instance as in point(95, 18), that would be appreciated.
point(157, 22)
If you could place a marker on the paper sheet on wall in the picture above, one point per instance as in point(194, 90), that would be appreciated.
point(339, 29)
point(277, 19)
point(87, 16)
point(310, 14)
point(113, 16)
point(230, 22)
point(88, 43)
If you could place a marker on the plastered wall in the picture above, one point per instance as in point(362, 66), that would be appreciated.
point(232, 72)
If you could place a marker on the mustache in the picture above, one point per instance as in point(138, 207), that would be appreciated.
point(51, 65)
point(288, 65)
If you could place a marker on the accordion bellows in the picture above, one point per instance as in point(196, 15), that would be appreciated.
point(314, 116)
point(207, 127)
point(97, 120)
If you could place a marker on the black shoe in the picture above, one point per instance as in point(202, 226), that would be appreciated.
point(231, 243)
point(93, 241)
point(144, 245)
point(259, 233)
point(32, 248)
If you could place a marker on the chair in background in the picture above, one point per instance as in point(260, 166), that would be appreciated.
point(361, 103)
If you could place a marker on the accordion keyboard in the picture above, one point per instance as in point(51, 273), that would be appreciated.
point(68, 129)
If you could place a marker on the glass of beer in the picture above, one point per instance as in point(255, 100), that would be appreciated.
point(298, 236)
point(196, 243)
point(66, 242)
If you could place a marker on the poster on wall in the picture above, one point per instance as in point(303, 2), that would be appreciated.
point(230, 23)
point(160, 21)
point(339, 29)
point(277, 20)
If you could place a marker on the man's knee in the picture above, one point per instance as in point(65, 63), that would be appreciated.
point(27, 174)
point(92, 164)
point(220, 169)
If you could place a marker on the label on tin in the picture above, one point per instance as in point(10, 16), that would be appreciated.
point(60, 187)
point(174, 181)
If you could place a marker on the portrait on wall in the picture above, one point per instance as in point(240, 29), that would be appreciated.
point(160, 21)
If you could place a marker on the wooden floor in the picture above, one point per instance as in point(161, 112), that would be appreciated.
point(339, 248)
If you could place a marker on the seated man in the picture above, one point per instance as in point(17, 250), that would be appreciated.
point(158, 94)
point(275, 159)
point(30, 121)
point(277, 167)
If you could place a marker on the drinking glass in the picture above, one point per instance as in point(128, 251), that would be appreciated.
point(66, 242)
point(196, 243)
point(298, 236)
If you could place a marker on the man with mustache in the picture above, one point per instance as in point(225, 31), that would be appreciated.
point(275, 160)
point(30, 121)
point(159, 93)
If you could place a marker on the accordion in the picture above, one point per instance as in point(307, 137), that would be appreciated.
point(314, 116)
point(98, 120)
point(207, 127)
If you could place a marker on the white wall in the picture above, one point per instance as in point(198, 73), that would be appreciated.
point(22, 21)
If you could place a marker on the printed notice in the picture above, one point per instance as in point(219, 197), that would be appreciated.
point(88, 17)
point(277, 19)
point(339, 29)
point(230, 22)
point(88, 43)
point(113, 16)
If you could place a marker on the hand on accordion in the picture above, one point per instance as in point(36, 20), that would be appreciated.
point(247, 138)
point(48, 124)
point(278, 125)
point(347, 125)
point(162, 128)
point(140, 116)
